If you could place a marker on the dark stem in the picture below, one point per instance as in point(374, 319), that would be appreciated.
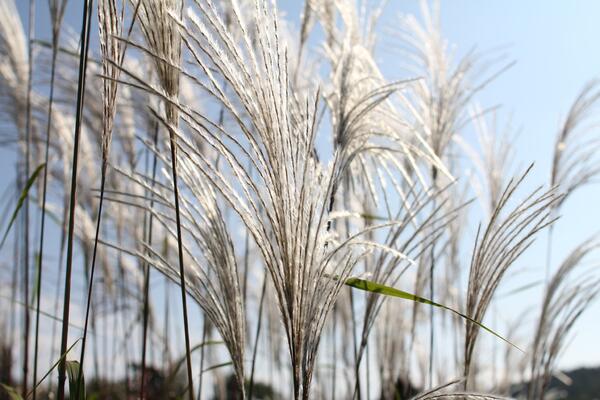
point(368, 385)
point(204, 334)
point(85, 41)
point(258, 326)
point(26, 206)
point(334, 345)
point(91, 277)
point(14, 285)
point(43, 216)
point(432, 286)
point(147, 272)
point(188, 355)
point(166, 349)
point(357, 390)
point(61, 258)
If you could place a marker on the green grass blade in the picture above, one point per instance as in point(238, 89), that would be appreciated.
point(53, 366)
point(374, 287)
point(11, 392)
point(37, 280)
point(21, 200)
point(76, 387)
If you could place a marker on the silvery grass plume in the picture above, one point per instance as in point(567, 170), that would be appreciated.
point(285, 209)
point(440, 98)
point(575, 161)
point(438, 105)
point(110, 26)
point(202, 218)
point(13, 65)
point(367, 124)
point(491, 160)
point(506, 236)
point(565, 299)
point(164, 42)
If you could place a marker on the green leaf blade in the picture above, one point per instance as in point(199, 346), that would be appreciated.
point(11, 392)
point(76, 386)
point(374, 287)
point(21, 200)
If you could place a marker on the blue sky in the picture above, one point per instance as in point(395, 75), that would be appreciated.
point(555, 46)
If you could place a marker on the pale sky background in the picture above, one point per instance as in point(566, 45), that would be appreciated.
point(555, 46)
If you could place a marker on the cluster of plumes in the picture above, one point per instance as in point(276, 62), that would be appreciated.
point(369, 125)
point(382, 201)
point(285, 207)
